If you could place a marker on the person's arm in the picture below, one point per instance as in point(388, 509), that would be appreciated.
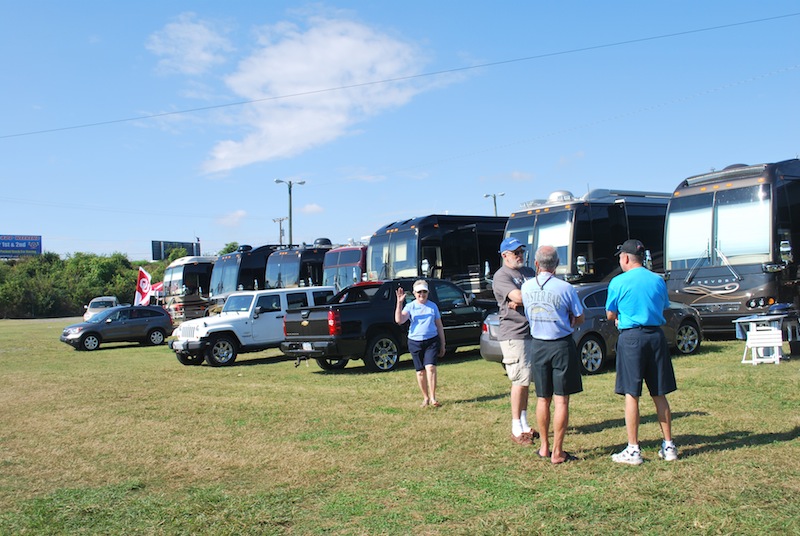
point(576, 320)
point(514, 299)
point(440, 331)
point(400, 316)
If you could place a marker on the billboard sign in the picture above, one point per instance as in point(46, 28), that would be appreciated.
point(161, 248)
point(16, 246)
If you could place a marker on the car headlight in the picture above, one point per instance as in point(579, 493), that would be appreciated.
point(73, 331)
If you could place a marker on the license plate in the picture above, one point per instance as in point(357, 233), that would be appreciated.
point(307, 347)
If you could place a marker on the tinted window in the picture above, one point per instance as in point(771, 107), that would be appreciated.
point(596, 299)
point(350, 257)
point(296, 299)
point(448, 296)
point(321, 296)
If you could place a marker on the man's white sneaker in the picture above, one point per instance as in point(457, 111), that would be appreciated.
point(668, 453)
point(629, 456)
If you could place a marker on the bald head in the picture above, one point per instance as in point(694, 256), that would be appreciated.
point(547, 258)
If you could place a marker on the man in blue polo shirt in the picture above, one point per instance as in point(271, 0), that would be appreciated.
point(636, 301)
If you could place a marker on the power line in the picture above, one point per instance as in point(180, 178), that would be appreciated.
point(401, 78)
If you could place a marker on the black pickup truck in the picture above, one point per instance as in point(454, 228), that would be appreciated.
point(358, 323)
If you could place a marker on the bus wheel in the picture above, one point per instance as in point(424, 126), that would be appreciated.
point(592, 353)
point(332, 364)
point(383, 353)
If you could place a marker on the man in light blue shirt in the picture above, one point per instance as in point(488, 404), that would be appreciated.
point(553, 311)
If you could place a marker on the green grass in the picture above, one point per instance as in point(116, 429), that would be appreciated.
point(125, 440)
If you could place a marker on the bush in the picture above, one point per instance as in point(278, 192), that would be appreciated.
point(48, 286)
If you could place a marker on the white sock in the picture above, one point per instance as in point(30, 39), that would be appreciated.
point(516, 427)
point(669, 444)
point(632, 447)
point(523, 419)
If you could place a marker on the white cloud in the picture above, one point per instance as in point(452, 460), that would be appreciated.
point(233, 219)
point(312, 208)
point(290, 74)
point(188, 46)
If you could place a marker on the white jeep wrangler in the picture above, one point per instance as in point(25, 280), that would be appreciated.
point(250, 321)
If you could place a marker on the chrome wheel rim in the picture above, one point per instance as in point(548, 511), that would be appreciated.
point(591, 355)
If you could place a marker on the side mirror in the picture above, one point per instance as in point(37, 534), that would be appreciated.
point(786, 252)
point(258, 310)
point(648, 260)
point(426, 268)
point(580, 264)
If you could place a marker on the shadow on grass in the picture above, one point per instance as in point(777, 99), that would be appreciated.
point(263, 361)
point(451, 358)
point(620, 423)
point(733, 440)
point(107, 346)
point(694, 444)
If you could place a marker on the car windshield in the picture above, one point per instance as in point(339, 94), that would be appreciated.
point(237, 304)
point(101, 304)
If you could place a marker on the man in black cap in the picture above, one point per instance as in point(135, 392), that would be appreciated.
point(636, 301)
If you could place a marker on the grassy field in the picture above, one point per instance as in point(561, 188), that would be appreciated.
point(125, 440)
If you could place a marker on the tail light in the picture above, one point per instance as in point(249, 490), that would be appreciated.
point(334, 323)
point(284, 327)
point(485, 327)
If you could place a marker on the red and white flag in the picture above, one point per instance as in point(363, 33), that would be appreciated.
point(143, 289)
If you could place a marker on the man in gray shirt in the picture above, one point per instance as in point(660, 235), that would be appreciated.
point(514, 334)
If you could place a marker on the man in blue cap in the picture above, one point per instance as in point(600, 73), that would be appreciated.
point(514, 334)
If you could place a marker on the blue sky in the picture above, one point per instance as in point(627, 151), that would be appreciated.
point(387, 110)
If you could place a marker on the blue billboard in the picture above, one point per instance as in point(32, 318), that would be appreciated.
point(16, 246)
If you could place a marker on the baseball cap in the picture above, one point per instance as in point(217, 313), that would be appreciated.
point(631, 247)
point(510, 244)
point(420, 285)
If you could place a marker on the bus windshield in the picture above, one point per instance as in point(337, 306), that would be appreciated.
point(393, 255)
point(225, 275)
point(187, 279)
point(545, 229)
point(283, 271)
point(714, 229)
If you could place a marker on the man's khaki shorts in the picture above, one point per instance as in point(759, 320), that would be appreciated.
point(517, 357)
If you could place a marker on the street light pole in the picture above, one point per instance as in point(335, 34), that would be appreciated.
point(289, 183)
point(494, 199)
point(279, 221)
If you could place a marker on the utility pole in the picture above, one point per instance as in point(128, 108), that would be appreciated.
point(279, 221)
point(289, 184)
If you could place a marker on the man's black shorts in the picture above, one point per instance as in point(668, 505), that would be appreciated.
point(643, 355)
point(556, 367)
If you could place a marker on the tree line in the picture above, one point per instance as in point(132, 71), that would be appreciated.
point(47, 286)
